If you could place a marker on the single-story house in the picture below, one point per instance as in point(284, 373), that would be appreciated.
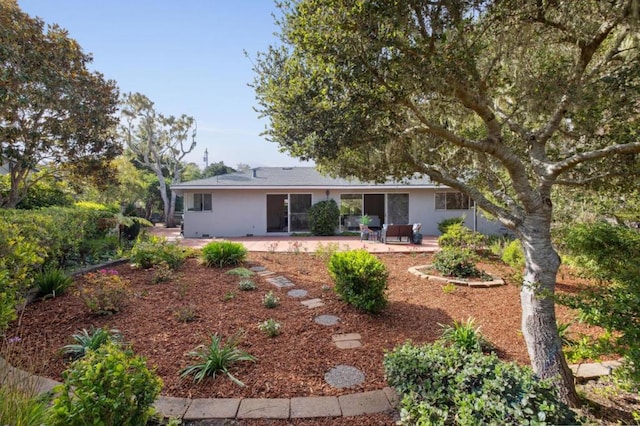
point(274, 200)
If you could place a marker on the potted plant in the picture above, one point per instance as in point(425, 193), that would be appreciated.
point(365, 220)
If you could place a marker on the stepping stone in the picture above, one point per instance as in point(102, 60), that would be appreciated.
point(315, 406)
point(344, 376)
point(265, 273)
point(256, 408)
point(327, 320)
point(280, 282)
point(298, 292)
point(364, 403)
point(312, 303)
point(591, 371)
point(258, 269)
point(347, 341)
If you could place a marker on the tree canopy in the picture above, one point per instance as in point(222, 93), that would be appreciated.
point(53, 110)
point(499, 99)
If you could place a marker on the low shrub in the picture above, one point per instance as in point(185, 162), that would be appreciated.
point(186, 313)
point(91, 340)
point(513, 254)
point(325, 252)
point(241, 272)
point(105, 291)
point(162, 273)
point(458, 235)
point(360, 279)
point(52, 281)
point(323, 217)
point(456, 262)
point(270, 300)
point(223, 253)
point(464, 336)
point(217, 357)
point(444, 224)
point(443, 385)
point(154, 251)
point(246, 285)
point(270, 327)
point(109, 386)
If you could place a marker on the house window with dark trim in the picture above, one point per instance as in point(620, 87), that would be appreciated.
point(202, 202)
point(452, 201)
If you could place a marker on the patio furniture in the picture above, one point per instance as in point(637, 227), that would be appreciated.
point(397, 231)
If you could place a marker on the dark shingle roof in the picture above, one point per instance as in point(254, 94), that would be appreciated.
point(288, 177)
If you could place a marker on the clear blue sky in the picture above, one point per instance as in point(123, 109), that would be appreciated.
point(187, 57)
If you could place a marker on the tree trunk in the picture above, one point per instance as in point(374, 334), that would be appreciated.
point(538, 306)
point(168, 218)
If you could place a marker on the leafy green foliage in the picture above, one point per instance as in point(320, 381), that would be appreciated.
point(458, 235)
point(456, 262)
point(513, 254)
point(610, 253)
point(52, 281)
point(162, 273)
point(216, 358)
point(360, 279)
point(223, 253)
point(109, 386)
point(246, 285)
point(270, 300)
point(270, 327)
point(241, 272)
point(323, 217)
point(325, 252)
point(90, 340)
point(444, 385)
point(76, 107)
point(464, 336)
point(443, 225)
point(104, 291)
point(155, 251)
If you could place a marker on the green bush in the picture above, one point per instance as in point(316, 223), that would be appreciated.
point(456, 262)
point(270, 300)
point(458, 235)
point(323, 217)
point(217, 357)
point(444, 225)
point(444, 385)
point(223, 253)
point(108, 386)
point(610, 253)
point(156, 251)
point(52, 281)
point(513, 255)
point(246, 285)
point(360, 278)
point(464, 336)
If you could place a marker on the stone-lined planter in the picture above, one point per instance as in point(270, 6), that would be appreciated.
point(494, 282)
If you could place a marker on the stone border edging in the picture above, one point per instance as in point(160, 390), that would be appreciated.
point(495, 282)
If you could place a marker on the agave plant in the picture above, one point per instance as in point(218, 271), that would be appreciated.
point(217, 357)
point(87, 340)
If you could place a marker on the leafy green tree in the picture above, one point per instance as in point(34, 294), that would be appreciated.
point(502, 100)
point(159, 143)
point(216, 169)
point(53, 110)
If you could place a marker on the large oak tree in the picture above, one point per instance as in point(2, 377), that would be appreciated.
point(53, 110)
point(499, 99)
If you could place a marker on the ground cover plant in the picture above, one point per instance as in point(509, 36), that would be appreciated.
point(415, 308)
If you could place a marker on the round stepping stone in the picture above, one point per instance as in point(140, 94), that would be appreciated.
point(344, 376)
point(327, 320)
point(298, 292)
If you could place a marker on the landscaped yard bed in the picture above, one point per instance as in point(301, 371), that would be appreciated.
point(295, 362)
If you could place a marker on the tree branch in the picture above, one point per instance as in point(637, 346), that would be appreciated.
point(571, 162)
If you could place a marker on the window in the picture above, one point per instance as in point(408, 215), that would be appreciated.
point(452, 201)
point(202, 202)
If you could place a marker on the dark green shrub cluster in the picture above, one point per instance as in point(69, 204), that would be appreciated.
point(52, 281)
point(445, 385)
point(513, 254)
point(444, 224)
point(108, 386)
point(323, 217)
point(153, 251)
point(458, 235)
point(456, 262)
point(609, 253)
point(223, 253)
point(360, 278)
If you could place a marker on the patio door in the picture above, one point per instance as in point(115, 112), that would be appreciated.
point(288, 212)
point(398, 209)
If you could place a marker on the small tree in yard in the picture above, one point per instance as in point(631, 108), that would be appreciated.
point(502, 100)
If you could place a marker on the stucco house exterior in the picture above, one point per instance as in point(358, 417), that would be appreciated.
point(274, 201)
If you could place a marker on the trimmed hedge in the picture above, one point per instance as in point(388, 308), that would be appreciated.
point(323, 218)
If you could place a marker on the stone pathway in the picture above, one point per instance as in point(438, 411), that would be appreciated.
point(347, 341)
